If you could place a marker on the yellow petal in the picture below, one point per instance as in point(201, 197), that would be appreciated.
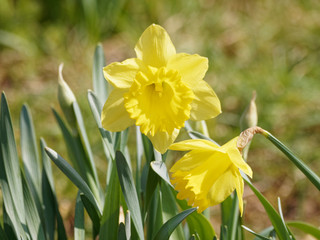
point(190, 160)
point(159, 101)
point(239, 188)
point(155, 47)
point(192, 68)
point(122, 74)
point(222, 188)
point(236, 157)
point(206, 104)
point(114, 116)
point(195, 182)
point(162, 140)
point(193, 144)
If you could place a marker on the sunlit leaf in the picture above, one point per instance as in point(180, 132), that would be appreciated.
point(100, 85)
point(73, 176)
point(167, 229)
point(10, 159)
point(110, 217)
point(129, 192)
point(305, 227)
point(280, 228)
point(79, 230)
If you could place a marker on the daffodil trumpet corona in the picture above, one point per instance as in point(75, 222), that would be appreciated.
point(207, 174)
point(158, 90)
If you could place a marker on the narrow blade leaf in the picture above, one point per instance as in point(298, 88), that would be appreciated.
point(166, 230)
point(256, 234)
point(161, 169)
point(305, 227)
point(129, 192)
point(94, 215)
point(73, 176)
point(10, 159)
point(79, 231)
point(110, 217)
point(29, 151)
point(100, 85)
point(312, 176)
point(274, 217)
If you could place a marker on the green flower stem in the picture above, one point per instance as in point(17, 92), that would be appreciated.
point(313, 177)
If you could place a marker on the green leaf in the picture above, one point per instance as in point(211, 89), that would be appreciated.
point(154, 215)
point(72, 149)
point(312, 176)
point(79, 230)
point(166, 230)
point(152, 181)
point(282, 218)
point(234, 219)
point(110, 216)
point(198, 223)
point(87, 150)
point(50, 203)
point(78, 154)
point(170, 209)
point(94, 215)
point(129, 192)
point(100, 85)
point(10, 159)
point(29, 151)
point(148, 148)
point(122, 232)
point(95, 106)
point(128, 225)
point(73, 176)
point(8, 226)
point(31, 161)
point(226, 210)
point(12, 225)
point(32, 217)
point(256, 234)
point(161, 169)
point(3, 235)
point(305, 227)
point(10, 215)
point(139, 156)
point(279, 226)
point(268, 232)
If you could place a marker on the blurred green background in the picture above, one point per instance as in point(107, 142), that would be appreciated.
point(272, 47)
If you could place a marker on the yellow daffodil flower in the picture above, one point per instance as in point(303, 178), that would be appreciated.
point(208, 173)
point(158, 91)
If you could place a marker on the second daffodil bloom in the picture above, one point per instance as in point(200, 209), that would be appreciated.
point(158, 90)
point(208, 173)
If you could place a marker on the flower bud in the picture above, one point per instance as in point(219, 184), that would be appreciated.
point(249, 117)
point(248, 120)
point(66, 98)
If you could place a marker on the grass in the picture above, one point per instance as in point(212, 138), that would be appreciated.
point(268, 46)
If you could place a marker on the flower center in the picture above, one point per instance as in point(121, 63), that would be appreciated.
point(158, 100)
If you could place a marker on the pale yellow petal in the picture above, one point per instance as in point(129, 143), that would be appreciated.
point(222, 188)
point(114, 116)
point(193, 144)
point(155, 47)
point(236, 157)
point(122, 74)
point(162, 140)
point(206, 104)
point(192, 68)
